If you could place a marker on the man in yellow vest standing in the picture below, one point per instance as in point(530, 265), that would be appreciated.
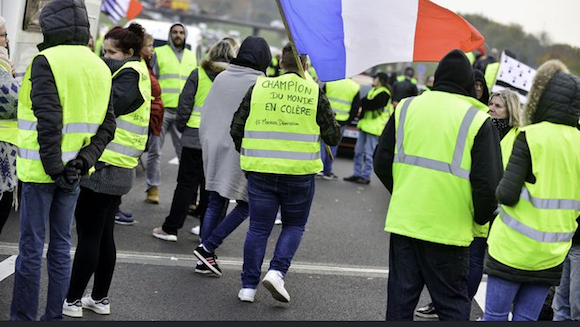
point(439, 157)
point(173, 63)
point(277, 130)
point(65, 120)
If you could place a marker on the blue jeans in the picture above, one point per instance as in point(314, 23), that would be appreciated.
point(216, 225)
point(156, 144)
point(476, 256)
point(527, 300)
point(363, 154)
point(566, 303)
point(414, 263)
point(326, 161)
point(42, 205)
point(267, 192)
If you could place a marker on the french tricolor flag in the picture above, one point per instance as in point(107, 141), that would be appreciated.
point(346, 37)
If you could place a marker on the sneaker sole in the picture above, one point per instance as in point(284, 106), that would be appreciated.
point(73, 314)
point(427, 315)
point(97, 310)
point(206, 272)
point(124, 223)
point(275, 293)
point(207, 264)
point(166, 237)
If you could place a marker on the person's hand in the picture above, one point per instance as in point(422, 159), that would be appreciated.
point(68, 180)
point(78, 164)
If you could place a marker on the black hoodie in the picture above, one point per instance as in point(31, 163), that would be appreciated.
point(63, 22)
point(454, 75)
point(254, 53)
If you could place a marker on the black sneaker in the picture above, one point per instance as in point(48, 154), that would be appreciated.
point(200, 268)
point(352, 178)
point(427, 311)
point(208, 259)
point(362, 180)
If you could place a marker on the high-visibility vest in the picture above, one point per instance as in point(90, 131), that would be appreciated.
point(340, 95)
point(491, 71)
point(204, 83)
point(375, 125)
point(432, 198)
point(9, 131)
point(271, 70)
point(507, 145)
point(132, 129)
point(471, 57)
point(84, 89)
point(173, 74)
point(537, 232)
point(281, 135)
point(401, 78)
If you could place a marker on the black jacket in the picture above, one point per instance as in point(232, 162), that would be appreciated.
point(454, 75)
point(64, 22)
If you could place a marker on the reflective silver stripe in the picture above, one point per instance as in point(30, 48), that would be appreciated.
point(197, 109)
point(281, 136)
point(169, 76)
point(170, 91)
point(184, 77)
point(80, 128)
point(549, 203)
point(537, 235)
point(68, 128)
point(116, 147)
point(455, 166)
point(27, 125)
point(280, 154)
point(123, 124)
point(35, 154)
point(340, 100)
point(341, 111)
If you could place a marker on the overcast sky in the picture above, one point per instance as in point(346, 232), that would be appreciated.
point(559, 18)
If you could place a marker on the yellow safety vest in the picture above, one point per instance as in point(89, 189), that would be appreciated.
point(132, 129)
point(84, 89)
point(173, 74)
point(432, 197)
point(491, 71)
point(204, 83)
point(340, 95)
point(9, 131)
point(375, 125)
point(401, 78)
point(281, 135)
point(271, 70)
point(537, 232)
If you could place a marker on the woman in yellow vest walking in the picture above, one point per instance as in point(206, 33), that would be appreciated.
point(540, 199)
point(101, 193)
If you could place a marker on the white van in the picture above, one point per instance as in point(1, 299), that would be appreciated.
point(160, 32)
point(24, 32)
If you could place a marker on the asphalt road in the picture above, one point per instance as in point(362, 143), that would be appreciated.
point(339, 273)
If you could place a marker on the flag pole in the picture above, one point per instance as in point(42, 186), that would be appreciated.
point(298, 61)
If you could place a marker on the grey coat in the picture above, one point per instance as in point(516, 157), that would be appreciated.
point(221, 161)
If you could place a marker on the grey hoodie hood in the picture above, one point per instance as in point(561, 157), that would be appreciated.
point(170, 40)
point(64, 22)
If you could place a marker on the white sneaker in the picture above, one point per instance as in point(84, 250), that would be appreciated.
point(274, 282)
point(74, 309)
point(195, 230)
point(247, 294)
point(162, 235)
point(102, 306)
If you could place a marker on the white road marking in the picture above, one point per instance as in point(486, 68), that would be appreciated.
point(7, 267)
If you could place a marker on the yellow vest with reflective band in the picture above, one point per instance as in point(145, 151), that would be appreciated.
point(132, 129)
point(507, 145)
point(432, 197)
point(84, 89)
point(172, 73)
point(491, 71)
point(376, 125)
point(537, 232)
point(204, 83)
point(340, 94)
point(9, 131)
point(281, 135)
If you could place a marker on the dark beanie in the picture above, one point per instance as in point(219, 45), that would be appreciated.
point(454, 74)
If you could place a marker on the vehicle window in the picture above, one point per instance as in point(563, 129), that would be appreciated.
point(32, 13)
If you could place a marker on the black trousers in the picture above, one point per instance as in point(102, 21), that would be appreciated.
point(96, 252)
point(5, 208)
point(190, 177)
point(414, 263)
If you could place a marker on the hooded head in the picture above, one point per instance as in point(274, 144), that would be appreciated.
point(480, 83)
point(454, 74)
point(554, 96)
point(254, 53)
point(64, 22)
point(176, 39)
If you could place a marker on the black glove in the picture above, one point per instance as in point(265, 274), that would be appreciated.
point(80, 164)
point(69, 179)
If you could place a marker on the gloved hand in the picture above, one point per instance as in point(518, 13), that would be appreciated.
point(69, 179)
point(78, 163)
